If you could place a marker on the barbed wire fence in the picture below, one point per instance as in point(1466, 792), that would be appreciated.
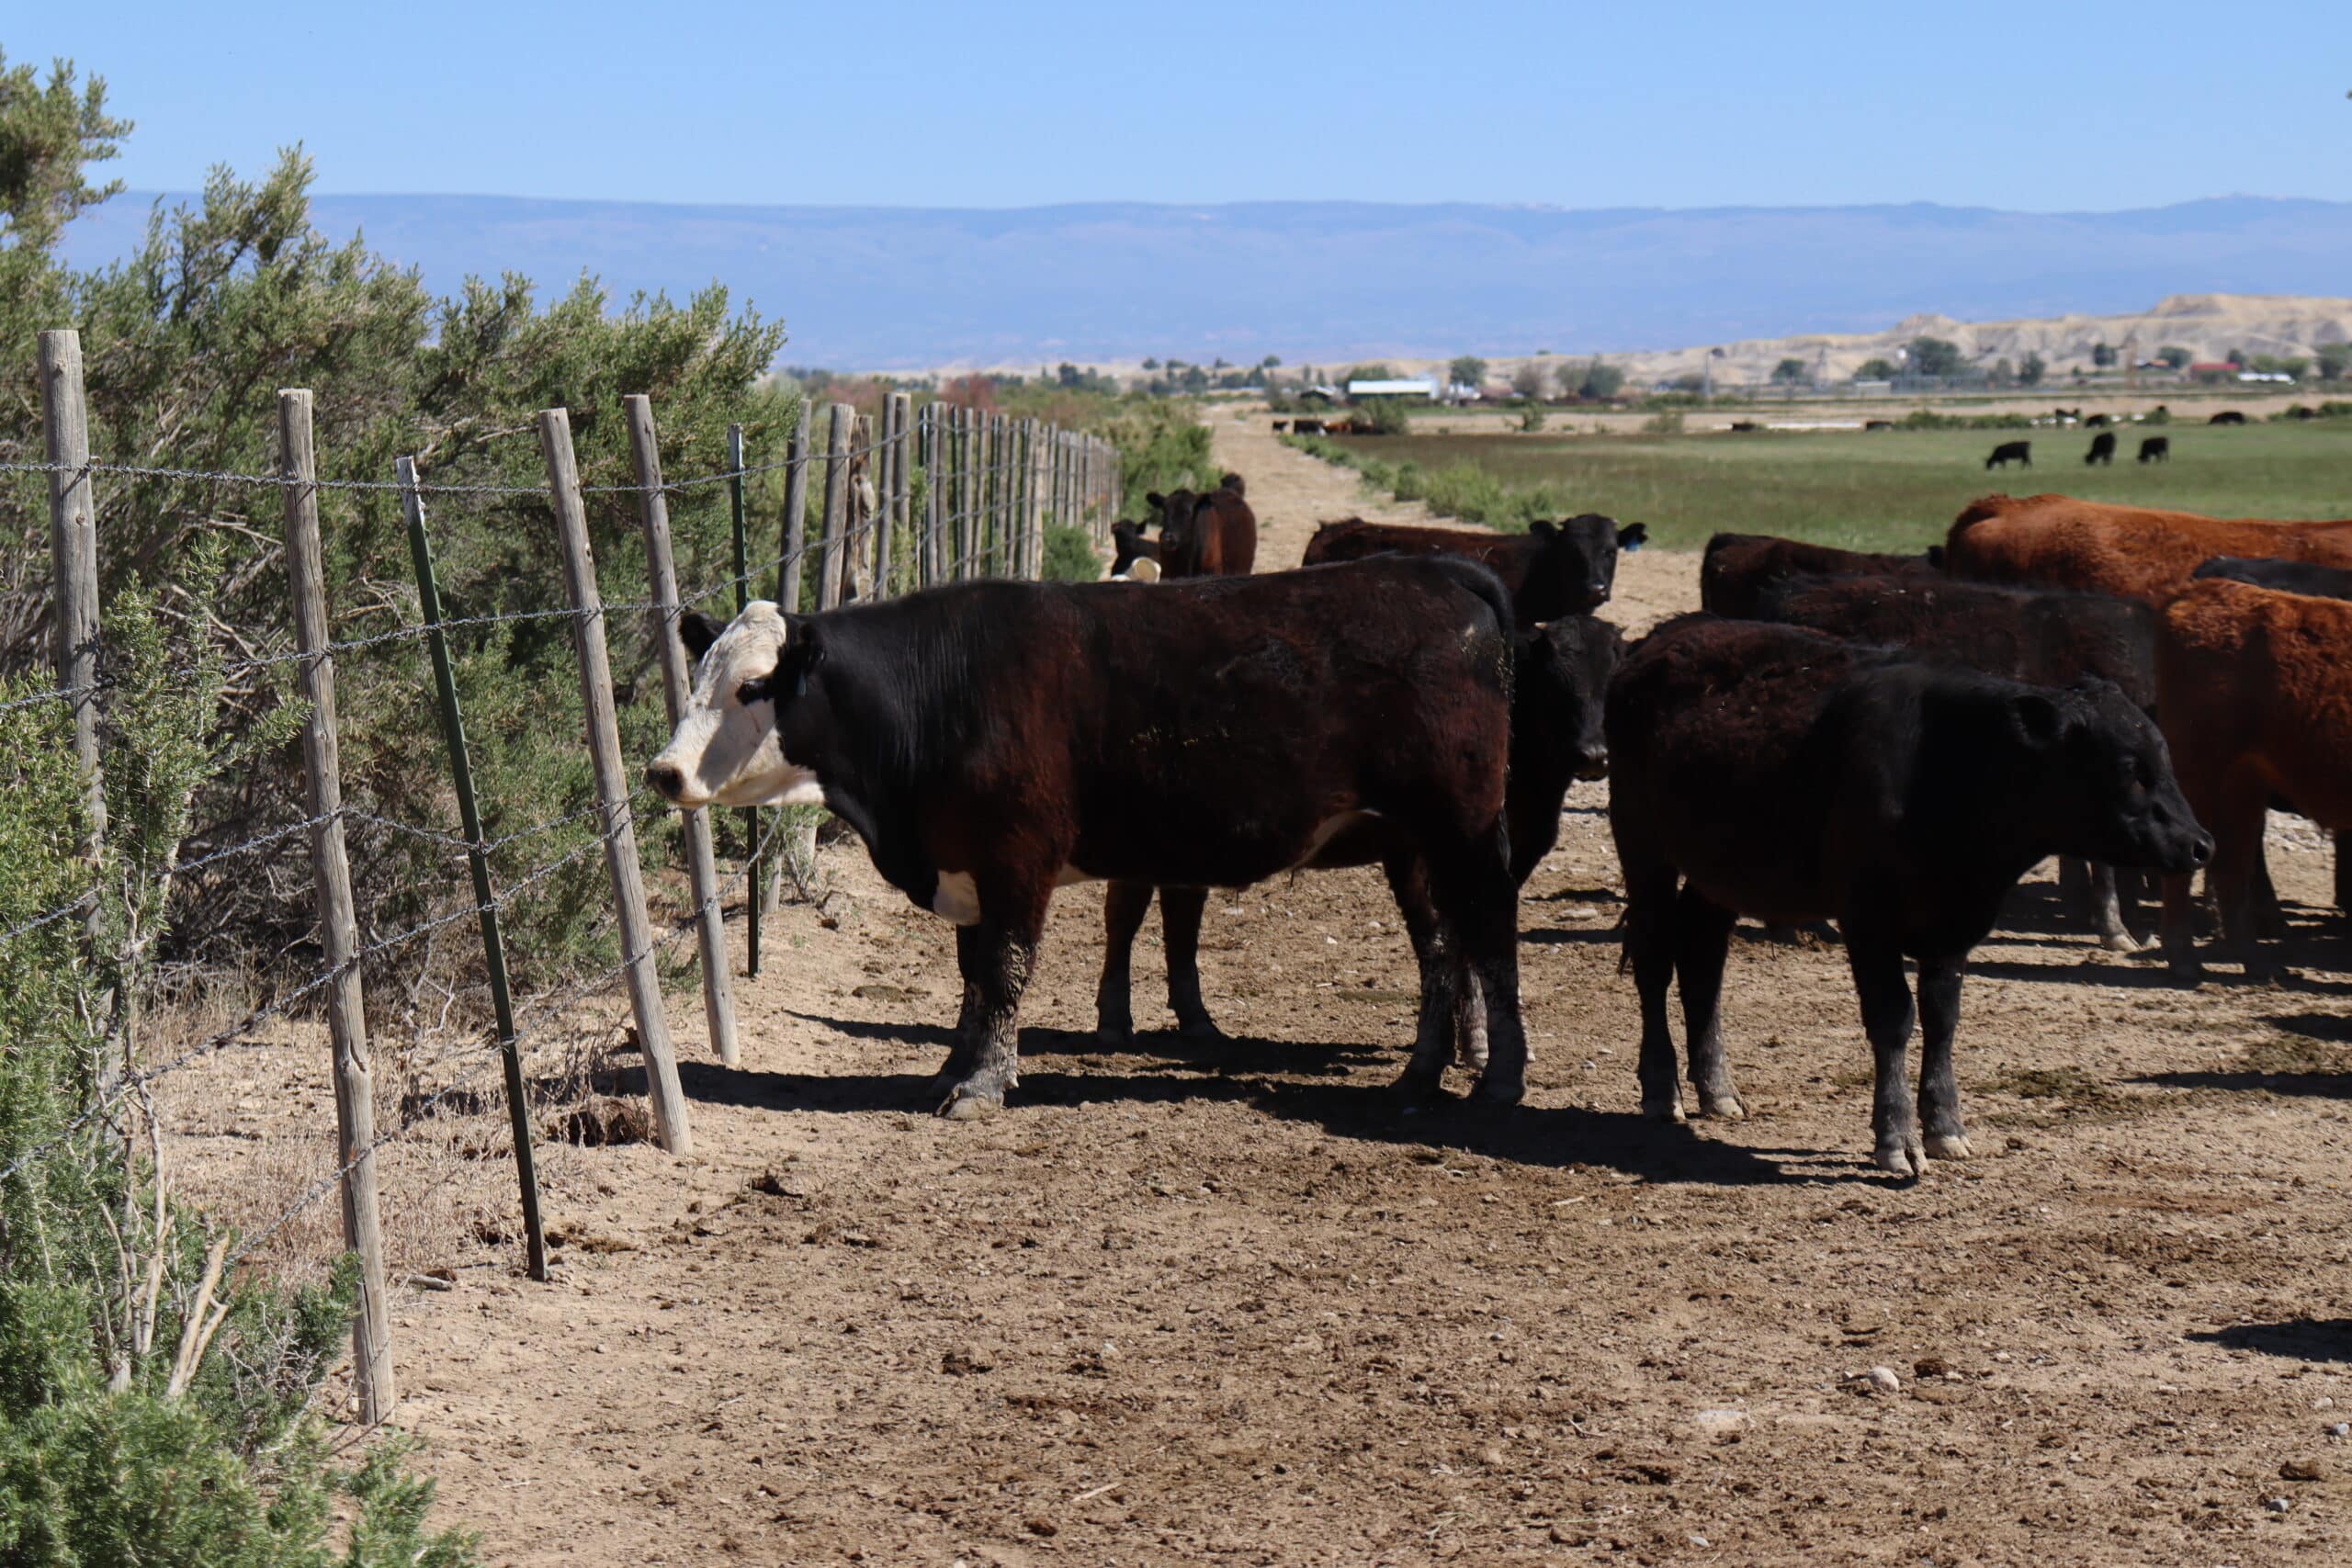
point(929, 495)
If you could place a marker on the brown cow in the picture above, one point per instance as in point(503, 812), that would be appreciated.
point(2055, 541)
point(1206, 533)
point(2255, 700)
point(1736, 569)
point(1555, 568)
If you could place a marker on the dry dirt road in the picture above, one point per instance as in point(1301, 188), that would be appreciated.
point(1186, 1304)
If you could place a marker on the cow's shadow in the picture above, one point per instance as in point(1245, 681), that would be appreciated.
point(1237, 1071)
point(2298, 1339)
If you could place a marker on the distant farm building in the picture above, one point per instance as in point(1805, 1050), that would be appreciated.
point(1407, 387)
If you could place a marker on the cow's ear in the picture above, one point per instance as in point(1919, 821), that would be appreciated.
point(1632, 537)
point(1935, 557)
point(1156, 501)
point(1543, 529)
point(2041, 719)
point(697, 631)
point(801, 651)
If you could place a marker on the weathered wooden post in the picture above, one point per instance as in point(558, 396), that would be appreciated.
point(927, 554)
point(900, 497)
point(612, 783)
point(967, 510)
point(355, 1104)
point(796, 512)
point(493, 945)
point(886, 491)
point(754, 884)
point(677, 687)
point(73, 560)
point(833, 542)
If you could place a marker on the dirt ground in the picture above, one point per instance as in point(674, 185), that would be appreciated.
point(1187, 1303)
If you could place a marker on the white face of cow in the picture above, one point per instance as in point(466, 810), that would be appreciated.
point(727, 751)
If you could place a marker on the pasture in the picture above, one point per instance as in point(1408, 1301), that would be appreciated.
point(1889, 490)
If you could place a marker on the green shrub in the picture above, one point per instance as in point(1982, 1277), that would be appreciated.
point(1530, 418)
point(1669, 423)
point(1069, 556)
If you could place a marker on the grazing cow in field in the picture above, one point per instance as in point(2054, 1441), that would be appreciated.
point(2102, 449)
point(2227, 416)
point(2155, 450)
point(1878, 424)
point(1773, 772)
point(1555, 568)
point(992, 740)
point(2042, 636)
point(2256, 695)
point(1206, 533)
point(2095, 421)
point(2010, 452)
point(1744, 425)
point(2055, 541)
point(2283, 576)
point(2300, 412)
point(1736, 569)
point(1128, 545)
point(1307, 427)
point(1560, 673)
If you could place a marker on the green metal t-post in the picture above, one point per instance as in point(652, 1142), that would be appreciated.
point(743, 599)
point(494, 947)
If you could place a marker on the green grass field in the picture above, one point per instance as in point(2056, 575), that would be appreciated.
point(1880, 490)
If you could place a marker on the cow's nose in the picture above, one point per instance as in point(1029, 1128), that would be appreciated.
point(2200, 848)
point(1593, 763)
point(1599, 590)
point(666, 778)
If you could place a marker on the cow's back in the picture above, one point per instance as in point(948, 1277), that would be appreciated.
point(2246, 672)
point(1353, 539)
point(1736, 568)
point(2056, 541)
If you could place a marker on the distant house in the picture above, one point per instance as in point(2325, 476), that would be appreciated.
point(1410, 388)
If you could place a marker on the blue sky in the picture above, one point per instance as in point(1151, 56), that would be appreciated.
point(2050, 107)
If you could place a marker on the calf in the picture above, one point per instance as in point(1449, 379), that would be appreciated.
point(2102, 449)
point(2044, 639)
point(1128, 545)
point(2155, 450)
point(1773, 772)
point(1560, 673)
point(1553, 569)
point(1736, 569)
point(2008, 452)
point(991, 742)
point(1206, 533)
point(2306, 578)
point(2257, 700)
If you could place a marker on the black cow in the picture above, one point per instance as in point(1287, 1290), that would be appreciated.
point(992, 740)
point(1560, 673)
point(1281, 426)
point(1306, 427)
point(1128, 545)
point(2102, 449)
point(2227, 416)
point(2045, 637)
point(2155, 450)
point(2095, 421)
point(1775, 771)
point(1737, 567)
point(1878, 424)
point(2010, 452)
point(1555, 568)
point(2306, 578)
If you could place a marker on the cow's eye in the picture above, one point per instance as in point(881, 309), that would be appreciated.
point(750, 692)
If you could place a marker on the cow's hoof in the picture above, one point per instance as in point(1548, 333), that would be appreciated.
point(2121, 941)
point(1949, 1146)
point(1722, 1105)
point(1665, 1106)
point(1493, 1090)
point(2187, 973)
point(1118, 1036)
point(1415, 1088)
point(1204, 1029)
point(962, 1106)
point(1902, 1160)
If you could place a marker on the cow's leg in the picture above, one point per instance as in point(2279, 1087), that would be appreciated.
point(2343, 871)
point(966, 1049)
point(1476, 895)
point(1947, 1136)
point(1125, 905)
point(2238, 875)
point(2265, 917)
point(1012, 917)
point(1434, 1032)
point(2074, 895)
point(1887, 1017)
point(1410, 885)
point(2177, 928)
point(1702, 940)
point(1180, 910)
point(1649, 948)
point(2107, 911)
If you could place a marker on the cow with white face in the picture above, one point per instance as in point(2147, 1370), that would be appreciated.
point(991, 742)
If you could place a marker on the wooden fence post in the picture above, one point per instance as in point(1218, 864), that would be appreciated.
point(677, 686)
point(833, 544)
point(754, 884)
point(1032, 518)
point(927, 554)
point(493, 946)
point(900, 501)
point(73, 557)
point(796, 513)
point(355, 1104)
point(967, 510)
point(612, 783)
point(886, 491)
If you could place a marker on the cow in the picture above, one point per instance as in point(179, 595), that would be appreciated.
point(2299, 411)
point(2045, 637)
point(1774, 772)
point(1878, 424)
point(1281, 426)
point(992, 740)
point(1128, 545)
point(1736, 568)
point(2281, 576)
point(1206, 533)
point(2155, 448)
point(1560, 673)
point(2008, 452)
point(2095, 421)
point(2055, 541)
point(1555, 568)
point(2227, 416)
point(2102, 449)
point(1743, 426)
point(2257, 702)
point(1307, 427)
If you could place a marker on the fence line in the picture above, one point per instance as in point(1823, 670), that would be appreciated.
point(965, 492)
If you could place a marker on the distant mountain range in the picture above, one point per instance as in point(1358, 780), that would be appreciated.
point(898, 287)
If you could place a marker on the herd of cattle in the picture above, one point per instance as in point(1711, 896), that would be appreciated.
point(1888, 742)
